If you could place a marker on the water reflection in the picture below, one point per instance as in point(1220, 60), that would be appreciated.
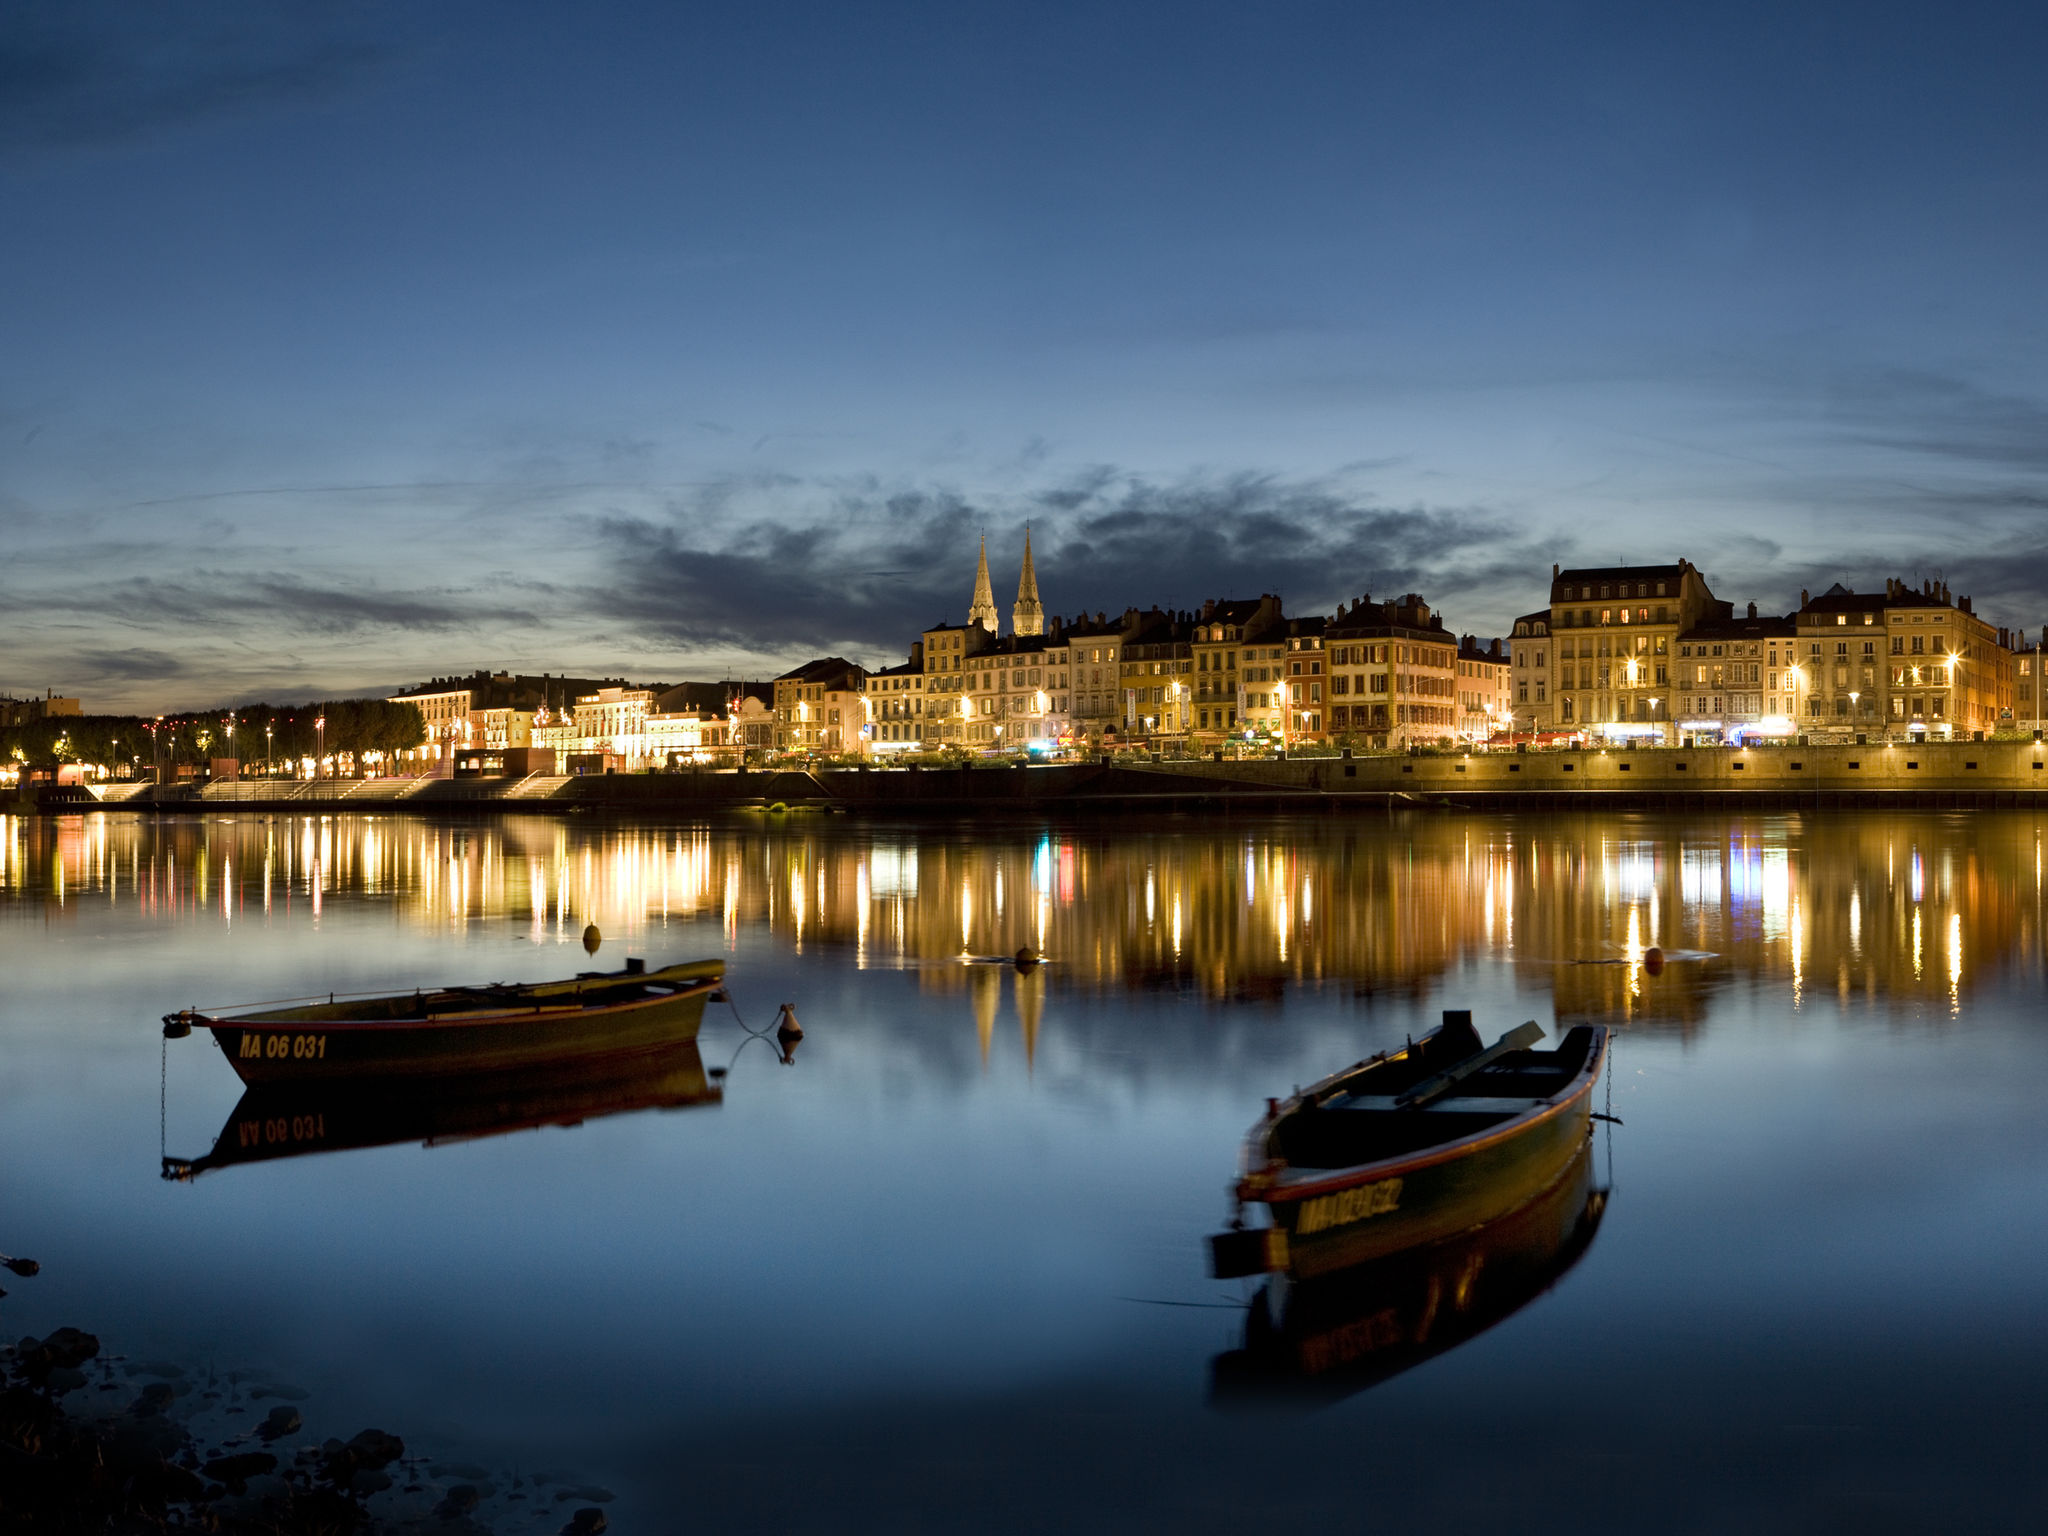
point(295, 1119)
point(1345, 1332)
point(1882, 910)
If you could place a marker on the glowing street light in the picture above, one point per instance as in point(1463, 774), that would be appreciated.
point(319, 743)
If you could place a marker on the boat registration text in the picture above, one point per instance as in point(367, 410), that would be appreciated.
point(1347, 1206)
point(272, 1047)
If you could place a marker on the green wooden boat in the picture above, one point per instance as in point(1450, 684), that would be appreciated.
point(1342, 1333)
point(278, 1120)
point(1411, 1147)
point(463, 1030)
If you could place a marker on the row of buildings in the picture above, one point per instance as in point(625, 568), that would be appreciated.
point(1649, 651)
point(500, 722)
point(32, 711)
point(1235, 672)
point(1619, 653)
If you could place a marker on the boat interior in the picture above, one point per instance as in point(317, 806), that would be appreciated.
point(588, 989)
point(1445, 1086)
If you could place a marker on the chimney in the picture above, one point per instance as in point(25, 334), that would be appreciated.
point(1804, 600)
point(1553, 570)
point(1752, 610)
point(1963, 603)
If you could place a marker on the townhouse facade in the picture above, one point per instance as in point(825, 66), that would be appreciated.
point(1157, 663)
point(821, 707)
point(1485, 700)
point(1912, 659)
point(1529, 662)
point(1613, 637)
point(1240, 655)
point(1393, 675)
point(1729, 677)
point(1306, 719)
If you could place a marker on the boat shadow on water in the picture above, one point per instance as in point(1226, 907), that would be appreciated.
point(1315, 1341)
point(276, 1120)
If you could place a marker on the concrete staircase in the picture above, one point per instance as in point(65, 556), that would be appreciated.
point(256, 789)
point(537, 786)
point(114, 794)
point(382, 789)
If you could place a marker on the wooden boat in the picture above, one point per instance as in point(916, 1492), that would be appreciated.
point(463, 1029)
point(280, 1120)
point(1411, 1147)
point(1345, 1332)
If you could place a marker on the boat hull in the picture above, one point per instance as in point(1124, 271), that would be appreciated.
point(1414, 1202)
point(321, 1044)
point(1326, 1219)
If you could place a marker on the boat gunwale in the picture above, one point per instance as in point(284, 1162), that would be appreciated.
point(1285, 1188)
point(466, 1020)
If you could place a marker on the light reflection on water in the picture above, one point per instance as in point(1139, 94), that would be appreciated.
point(1158, 909)
point(955, 1195)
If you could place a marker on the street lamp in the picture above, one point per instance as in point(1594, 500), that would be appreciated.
point(268, 731)
point(319, 743)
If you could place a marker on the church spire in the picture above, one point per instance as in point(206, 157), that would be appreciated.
point(983, 609)
point(1028, 617)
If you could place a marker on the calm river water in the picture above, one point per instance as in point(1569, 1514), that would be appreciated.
point(947, 1269)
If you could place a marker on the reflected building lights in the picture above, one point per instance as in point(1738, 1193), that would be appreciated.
point(1955, 962)
point(1219, 916)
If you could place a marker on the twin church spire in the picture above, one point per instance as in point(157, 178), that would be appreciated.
point(1027, 617)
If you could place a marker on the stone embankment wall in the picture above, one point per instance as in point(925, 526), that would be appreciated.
point(1945, 773)
point(1987, 773)
point(1878, 770)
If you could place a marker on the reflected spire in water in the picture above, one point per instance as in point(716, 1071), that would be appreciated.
point(985, 987)
point(1030, 1009)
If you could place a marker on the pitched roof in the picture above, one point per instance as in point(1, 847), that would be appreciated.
point(708, 698)
point(1767, 626)
point(825, 669)
point(1839, 599)
point(1585, 573)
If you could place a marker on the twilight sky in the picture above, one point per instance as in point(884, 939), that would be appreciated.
point(346, 344)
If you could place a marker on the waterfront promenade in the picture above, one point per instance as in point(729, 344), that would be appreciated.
point(1961, 774)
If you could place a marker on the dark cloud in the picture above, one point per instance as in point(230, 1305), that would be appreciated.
point(1945, 417)
point(274, 603)
point(833, 566)
point(133, 665)
point(82, 75)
